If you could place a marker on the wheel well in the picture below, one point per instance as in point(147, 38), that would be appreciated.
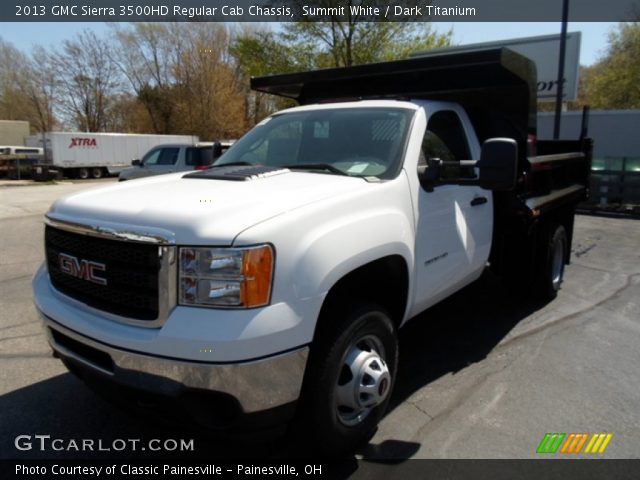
point(384, 282)
point(564, 217)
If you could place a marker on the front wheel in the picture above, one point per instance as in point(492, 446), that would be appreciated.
point(350, 377)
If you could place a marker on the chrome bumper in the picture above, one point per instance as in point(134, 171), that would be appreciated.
point(257, 385)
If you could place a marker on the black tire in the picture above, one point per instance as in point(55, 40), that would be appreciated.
point(345, 336)
point(551, 274)
point(97, 172)
point(82, 173)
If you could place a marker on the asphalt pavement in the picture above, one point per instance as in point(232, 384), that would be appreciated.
point(482, 375)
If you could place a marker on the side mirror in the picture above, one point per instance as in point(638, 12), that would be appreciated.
point(498, 164)
point(136, 163)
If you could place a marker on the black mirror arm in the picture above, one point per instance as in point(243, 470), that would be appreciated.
point(429, 174)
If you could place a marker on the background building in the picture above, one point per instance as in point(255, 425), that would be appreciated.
point(13, 132)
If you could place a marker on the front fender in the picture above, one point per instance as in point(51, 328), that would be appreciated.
point(348, 245)
point(318, 244)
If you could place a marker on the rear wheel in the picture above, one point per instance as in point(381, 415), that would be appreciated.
point(82, 173)
point(349, 378)
point(97, 172)
point(555, 257)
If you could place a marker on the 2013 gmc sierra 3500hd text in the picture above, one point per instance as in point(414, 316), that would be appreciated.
point(271, 286)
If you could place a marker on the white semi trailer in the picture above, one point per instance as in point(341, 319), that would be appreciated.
point(85, 155)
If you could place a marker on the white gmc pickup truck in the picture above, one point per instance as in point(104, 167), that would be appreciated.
point(271, 286)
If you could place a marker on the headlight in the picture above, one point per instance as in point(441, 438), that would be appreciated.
point(226, 277)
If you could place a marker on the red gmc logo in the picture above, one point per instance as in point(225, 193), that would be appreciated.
point(83, 269)
point(83, 142)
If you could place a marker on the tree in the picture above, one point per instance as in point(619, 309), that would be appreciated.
point(145, 53)
point(88, 79)
point(13, 105)
point(342, 39)
point(40, 87)
point(260, 51)
point(126, 114)
point(27, 87)
point(312, 44)
point(614, 81)
point(183, 75)
point(209, 99)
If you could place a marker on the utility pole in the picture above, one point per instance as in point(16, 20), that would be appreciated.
point(560, 83)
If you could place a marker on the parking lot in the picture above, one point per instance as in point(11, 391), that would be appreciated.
point(482, 375)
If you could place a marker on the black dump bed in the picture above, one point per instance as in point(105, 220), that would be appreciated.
point(497, 88)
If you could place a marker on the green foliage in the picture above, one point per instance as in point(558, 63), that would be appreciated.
point(310, 45)
point(614, 81)
point(351, 42)
point(263, 52)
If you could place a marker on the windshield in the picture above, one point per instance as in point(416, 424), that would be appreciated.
point(351, 141)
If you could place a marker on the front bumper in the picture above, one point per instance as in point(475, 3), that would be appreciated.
point(256, 385)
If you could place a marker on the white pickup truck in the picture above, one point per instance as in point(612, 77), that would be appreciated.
point(271, 286)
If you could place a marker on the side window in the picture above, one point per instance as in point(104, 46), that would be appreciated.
point(434, 147)
point(168, 156)
point(151, 158)
point(445, 139)
point(195, 156)
point(192, 157)
point(447, 126)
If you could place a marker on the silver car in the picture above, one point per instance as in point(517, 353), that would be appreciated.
point(175, 157)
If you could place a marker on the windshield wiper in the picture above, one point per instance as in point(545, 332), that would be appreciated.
point(316, 166)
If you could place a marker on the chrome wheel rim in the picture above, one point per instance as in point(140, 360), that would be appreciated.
point(363, 382)
point(557, 265)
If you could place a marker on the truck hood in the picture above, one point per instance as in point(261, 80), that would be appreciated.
point(199, 211)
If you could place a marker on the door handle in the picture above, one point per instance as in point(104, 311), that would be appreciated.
point(478, 201)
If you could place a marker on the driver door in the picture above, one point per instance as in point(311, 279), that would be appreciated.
point(454, 223)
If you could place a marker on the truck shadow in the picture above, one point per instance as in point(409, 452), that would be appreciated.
point(64, 408)
point(459, 331)
point(448, 337)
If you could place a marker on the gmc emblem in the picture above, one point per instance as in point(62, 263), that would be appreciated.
point(83, 269)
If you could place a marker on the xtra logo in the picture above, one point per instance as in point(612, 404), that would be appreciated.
point(573, 442)
point(83, 142)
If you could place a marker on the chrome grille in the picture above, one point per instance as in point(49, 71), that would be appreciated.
point(131, 273)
